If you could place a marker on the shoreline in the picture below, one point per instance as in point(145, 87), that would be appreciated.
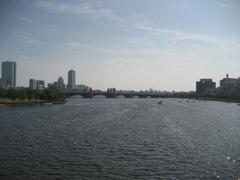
point(8, 104)
point(220, 100)
point(228, 100)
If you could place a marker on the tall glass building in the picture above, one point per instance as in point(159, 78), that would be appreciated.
point(71, 79)
point(9, 70)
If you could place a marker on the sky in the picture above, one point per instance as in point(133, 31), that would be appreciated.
point(126, 44)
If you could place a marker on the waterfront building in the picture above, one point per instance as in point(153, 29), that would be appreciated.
point(71, 79)
point(0, 83)
point(40, 85)
point(111, 93)
point(205, 85)
point(33, 84)
point(60, 84)
point(82, 88)
point(36, 84)
point(111, 90)
point(9, 69)
point(57, 85)
point(229, 86)
point(227, 81)
point(50, 86)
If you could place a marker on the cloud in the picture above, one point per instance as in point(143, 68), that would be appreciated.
point(22, 18)
point(83, 8)
point(27, 38)
point(79, 46)
point(135, 21)
point(225, 5)
point(178, 35)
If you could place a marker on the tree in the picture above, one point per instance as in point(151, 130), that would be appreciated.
point(22, 94)
point(3, 93)
point(31, 94)
point(12, 94)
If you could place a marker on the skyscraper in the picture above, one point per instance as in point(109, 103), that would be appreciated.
point(71, 79)
point(9, 69)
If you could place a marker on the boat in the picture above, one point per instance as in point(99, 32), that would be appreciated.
point(48, 104)
point(160, 102)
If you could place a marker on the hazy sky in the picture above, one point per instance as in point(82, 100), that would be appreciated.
point(127, 44)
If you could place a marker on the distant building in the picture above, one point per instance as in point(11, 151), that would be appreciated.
point(111, 90)
point(226, 81)
point(36, 84)
point(229, 86)
point(57, 85)
point(71, 79)
point(205, 85)
point(9, 70)
point(60, 84)
point(33, 84)
point(111, 93)
point(40, 85)
point(82, 88)
point(0, 83)
point(50, 86)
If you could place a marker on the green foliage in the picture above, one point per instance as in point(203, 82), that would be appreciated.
point(3, 93)
point(32, 95)
point(22, 94)
point(12, 94)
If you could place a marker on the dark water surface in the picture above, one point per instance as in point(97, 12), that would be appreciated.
point(121, 139)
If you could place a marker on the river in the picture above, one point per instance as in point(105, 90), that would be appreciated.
point(121, 139)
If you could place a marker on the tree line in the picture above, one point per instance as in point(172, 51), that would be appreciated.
point(32, 95)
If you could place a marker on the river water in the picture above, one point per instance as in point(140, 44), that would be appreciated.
point(121, 139)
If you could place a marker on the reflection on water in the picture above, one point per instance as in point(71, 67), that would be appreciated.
point(121, 139)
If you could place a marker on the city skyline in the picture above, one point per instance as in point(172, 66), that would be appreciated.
point(206, 86)
point(164, 45)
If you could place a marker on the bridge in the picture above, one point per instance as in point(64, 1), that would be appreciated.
point(112, 93)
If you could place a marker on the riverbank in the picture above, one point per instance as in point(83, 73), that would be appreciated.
point(8, 102)
point(229, 100)
point(220, 100)
point(25, 96)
